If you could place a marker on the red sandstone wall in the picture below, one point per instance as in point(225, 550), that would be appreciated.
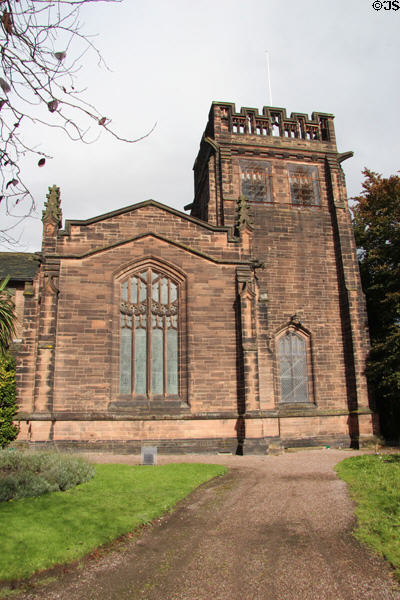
point(87, 347)
point(118, 228)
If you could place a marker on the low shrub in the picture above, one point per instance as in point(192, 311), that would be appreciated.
point(25, 474)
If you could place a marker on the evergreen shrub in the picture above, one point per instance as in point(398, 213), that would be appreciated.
point(8, 402)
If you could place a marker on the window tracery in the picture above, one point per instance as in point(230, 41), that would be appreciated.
point(304, 185)
point(255, 180)
point(293, 368)
point(149, 311)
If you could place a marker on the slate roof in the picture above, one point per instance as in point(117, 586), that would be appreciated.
point(21, 266)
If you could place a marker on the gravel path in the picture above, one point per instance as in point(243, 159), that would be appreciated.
point(275, 528)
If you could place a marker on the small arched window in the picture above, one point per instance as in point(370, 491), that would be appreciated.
point(149, 311)
point(292, 351)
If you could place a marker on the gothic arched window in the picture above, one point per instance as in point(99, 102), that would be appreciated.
point(292, 351)
point(149, 334)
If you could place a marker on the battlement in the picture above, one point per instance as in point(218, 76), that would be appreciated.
point(273, 122)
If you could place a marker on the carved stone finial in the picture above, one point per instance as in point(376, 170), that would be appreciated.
point(256, 263)
point(52, 211)
point(295, 321)
point(243, 216)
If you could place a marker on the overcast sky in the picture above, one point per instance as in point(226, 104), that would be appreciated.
point(170, 59)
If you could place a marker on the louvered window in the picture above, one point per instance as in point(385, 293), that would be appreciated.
point(255, 178)
point(304, 185)
point(293, 368)
point(149, 335)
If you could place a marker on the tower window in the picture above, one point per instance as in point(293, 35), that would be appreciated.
point(293, 368)
point(149, 334)
point(304, 185)
point(255, 180)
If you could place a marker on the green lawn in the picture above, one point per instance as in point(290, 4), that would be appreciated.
point(374, 483)
point(37, 533)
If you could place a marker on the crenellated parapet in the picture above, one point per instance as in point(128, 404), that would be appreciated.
point(272, 122)
point(265, 156)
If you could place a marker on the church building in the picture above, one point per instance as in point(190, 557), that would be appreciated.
point(240, 327)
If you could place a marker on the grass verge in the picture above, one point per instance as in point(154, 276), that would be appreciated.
point(38, 533)
point(374, 484)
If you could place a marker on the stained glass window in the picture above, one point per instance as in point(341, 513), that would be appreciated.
point(293, 368)
point(149, 335)
point(255, 180)
point(304, 185)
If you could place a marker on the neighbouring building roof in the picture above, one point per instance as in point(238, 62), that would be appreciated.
point(21, 266)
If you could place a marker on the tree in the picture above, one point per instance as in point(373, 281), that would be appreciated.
point(7, 318)
point(41, 47)
point(377, 230)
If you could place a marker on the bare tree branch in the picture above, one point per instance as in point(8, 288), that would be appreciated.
point(41, 48)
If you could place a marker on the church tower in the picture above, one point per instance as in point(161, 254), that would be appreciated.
point(310, 336)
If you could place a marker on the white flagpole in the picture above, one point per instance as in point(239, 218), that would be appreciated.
point(269, 78)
